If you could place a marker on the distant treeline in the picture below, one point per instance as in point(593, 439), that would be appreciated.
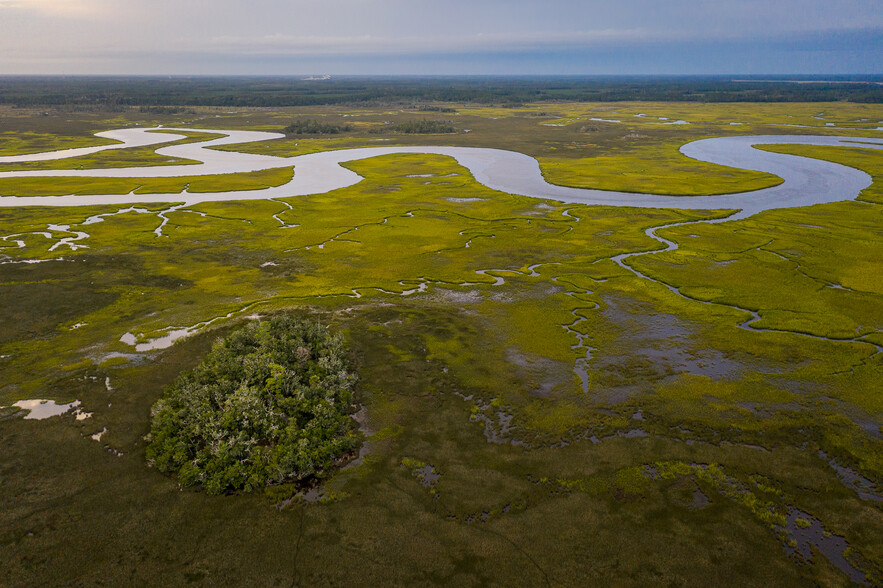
point(117, 92)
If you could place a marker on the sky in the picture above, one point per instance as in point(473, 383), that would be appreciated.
point(433, 37)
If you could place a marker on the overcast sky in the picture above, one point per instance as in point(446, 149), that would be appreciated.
point(440, 37)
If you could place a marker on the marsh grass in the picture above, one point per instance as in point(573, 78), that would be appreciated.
point(28, 142)
point(561, 495)
point(129, 157)
point(217, 183)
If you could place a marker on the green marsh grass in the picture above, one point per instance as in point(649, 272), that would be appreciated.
point(570, 502)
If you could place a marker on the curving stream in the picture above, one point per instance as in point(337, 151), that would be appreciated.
point(806, 181)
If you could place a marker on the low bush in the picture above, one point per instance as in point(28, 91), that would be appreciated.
point(421, 127)
point(315, 127)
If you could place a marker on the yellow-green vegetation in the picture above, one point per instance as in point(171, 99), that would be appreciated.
point(534, 413)
point(257, 180)
point(659, 169)
point(634, 154)
point(27, 142)
point(129, 157)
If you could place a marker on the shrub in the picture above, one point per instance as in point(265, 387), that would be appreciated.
point(314, 127)
point(414, 127)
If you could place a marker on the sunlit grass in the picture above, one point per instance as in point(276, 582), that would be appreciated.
point(722, 406)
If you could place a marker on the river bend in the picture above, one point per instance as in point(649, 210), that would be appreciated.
point(806, 181)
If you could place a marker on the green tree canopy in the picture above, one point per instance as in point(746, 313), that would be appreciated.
point(269, 404)
point(421, 127)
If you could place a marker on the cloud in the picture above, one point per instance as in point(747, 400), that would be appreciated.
point(380, 45)
point(55, 8)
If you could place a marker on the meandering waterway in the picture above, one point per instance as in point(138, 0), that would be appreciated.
point(806, 182)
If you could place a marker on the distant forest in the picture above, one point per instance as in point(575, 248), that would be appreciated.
point(153, 92)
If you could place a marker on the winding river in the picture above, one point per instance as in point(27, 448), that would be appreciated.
point(806, 181)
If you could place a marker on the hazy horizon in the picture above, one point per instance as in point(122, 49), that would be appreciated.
point(393, 37)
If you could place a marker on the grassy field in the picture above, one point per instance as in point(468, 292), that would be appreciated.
point(586, 425)
point(215, 183)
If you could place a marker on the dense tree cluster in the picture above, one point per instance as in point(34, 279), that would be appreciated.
point(424, 127)
point(270, 404)
point(165, 110)
point(444, 109)
point(315, 127)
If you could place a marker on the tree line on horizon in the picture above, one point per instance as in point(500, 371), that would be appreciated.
point(147, 92)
